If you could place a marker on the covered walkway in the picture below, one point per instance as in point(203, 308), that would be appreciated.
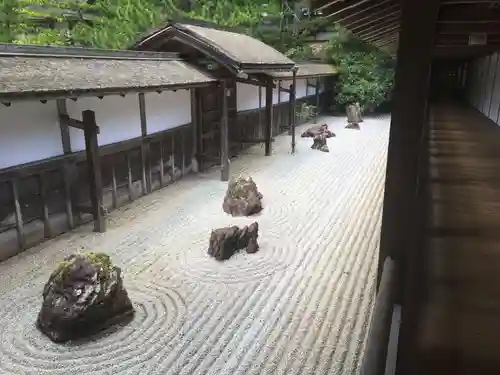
point(301, 305)
point(457, 326)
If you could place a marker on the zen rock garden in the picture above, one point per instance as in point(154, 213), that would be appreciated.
point(85, 294)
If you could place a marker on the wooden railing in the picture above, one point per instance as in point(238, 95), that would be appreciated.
point(377, 344)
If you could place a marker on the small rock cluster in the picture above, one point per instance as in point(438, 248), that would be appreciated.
point(242, 199)
point(319, 135)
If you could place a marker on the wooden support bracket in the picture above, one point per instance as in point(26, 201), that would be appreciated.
point(74, 123)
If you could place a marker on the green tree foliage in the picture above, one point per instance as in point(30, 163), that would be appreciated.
point(34, 21)
point(365, 73)
point(120, 23)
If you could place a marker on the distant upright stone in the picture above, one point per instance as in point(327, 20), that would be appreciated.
point(318, 130)
point(84, 295)
point(353, 112)
point(242, 197)
point(224, 242)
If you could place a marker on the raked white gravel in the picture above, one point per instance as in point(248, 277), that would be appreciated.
point(301, 305)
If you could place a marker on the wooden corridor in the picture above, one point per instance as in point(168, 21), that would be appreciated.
point(458, 309)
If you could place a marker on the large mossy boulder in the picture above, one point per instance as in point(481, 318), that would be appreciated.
point(242, 197)
point(84, 295)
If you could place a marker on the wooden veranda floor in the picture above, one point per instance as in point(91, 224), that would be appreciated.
point(458, 328)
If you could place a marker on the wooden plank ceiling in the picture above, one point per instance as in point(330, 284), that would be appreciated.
point(377, 22)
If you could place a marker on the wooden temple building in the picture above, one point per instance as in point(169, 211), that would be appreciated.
point(84, 131)
point(438, 297)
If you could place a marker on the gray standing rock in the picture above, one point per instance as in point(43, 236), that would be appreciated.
point(242, 197)
point(353, 112)
point(83, 296)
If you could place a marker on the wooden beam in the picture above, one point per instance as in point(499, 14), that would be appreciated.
point(253, 81)
point(376, 19)
point(394, 20)
point(68, 194)
point(194, 127)
point(43, 203)
point(316, 93)
point(269, 120)
point(63, 125)
point(94, 170)
point(368, 13)
point(467, 28)
point(465, 14)
point(293, 94)
point(145, 167)
point(21, 240)
point(72, 122)
point(388, 29)
point(283, 89)
point(224, 133)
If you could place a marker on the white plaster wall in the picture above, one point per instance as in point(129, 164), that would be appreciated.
point(489, 73)
point(495, 97)
point(285, 97)
point(489, 83)
point(247, 96)
point(476, 89)
point(484, 88)
point(167, 110)
point(29, 131)
point(118, 119)
point(484, 83)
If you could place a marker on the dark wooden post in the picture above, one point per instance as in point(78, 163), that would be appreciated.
point(400, 235)
point(63, 125)
point(293, 93)
point(224, 133)
point(195, 125)
point(145, 167)
point(21, 240)
point(269, 118)
point(94, 168)
point(316, 93)
point(409, 98)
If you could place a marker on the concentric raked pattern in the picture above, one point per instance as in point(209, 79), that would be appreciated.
point(160, 313)
point(301, 305)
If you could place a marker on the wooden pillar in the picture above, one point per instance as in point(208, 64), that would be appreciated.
point(224, 133)
point(401, 225)
point(316, 93)
point(63, 125)
point(293, 115)
point(409, 99)
point(194, 125)
point(269, 118)
point(94, 168)
point(145, 167)
point(278, 84)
